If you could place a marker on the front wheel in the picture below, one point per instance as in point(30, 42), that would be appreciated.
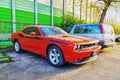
point(55, 56)
point(17, 47)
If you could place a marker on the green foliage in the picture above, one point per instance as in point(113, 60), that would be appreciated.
point(116, 29)
point(4, 58)
point(70, 21)
point(118, 43)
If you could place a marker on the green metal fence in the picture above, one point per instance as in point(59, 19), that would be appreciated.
point(25, 16)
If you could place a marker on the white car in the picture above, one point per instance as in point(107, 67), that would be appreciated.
point(102, 32)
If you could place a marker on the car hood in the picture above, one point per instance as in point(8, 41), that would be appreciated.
point(74, 39)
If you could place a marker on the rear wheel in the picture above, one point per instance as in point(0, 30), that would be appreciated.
point(55, 56)
point(17, 47)
point(117, 40)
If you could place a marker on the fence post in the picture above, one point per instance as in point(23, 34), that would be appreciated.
point(36, 12)
point(13, 16)
point(52, 14)
point(73, 6)
point(63, 9)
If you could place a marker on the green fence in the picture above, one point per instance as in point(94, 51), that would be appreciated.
point(25, 16)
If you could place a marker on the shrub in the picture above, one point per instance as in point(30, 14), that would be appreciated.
point(70, 21)
point(4, 58)
point(116, 29)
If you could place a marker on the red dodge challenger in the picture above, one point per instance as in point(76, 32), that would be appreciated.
point(55, 44)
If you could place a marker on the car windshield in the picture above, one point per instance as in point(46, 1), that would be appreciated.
point(52, 31)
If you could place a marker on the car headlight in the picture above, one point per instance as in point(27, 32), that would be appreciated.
point(77, 47)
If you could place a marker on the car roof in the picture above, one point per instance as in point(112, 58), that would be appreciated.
point(87, 24)
point(38, 26)
point(83, 25)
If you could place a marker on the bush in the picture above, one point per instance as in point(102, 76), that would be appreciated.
point(116, 29)
point(4, 58)
point(70, 21)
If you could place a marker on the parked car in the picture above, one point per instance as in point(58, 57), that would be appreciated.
point(102, 32)
point(55, 44)
point(117, 38)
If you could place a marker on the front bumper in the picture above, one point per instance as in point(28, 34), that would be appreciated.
point(83, 56)
point(86, 60)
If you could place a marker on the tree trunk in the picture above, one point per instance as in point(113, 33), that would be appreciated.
point(103, 15)
point(86, 11)
point(90, 12)
point(73, 8)
point(81, 10)
point(104, 11)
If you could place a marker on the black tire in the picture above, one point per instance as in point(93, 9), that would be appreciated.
point(117, 40)
point(55, 56)
point(17, 47)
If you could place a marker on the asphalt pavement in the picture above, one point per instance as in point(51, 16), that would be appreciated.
point(29, 66)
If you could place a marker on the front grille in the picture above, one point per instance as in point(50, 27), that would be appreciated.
point(87, 46)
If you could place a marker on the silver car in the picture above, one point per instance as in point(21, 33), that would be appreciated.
point(102, 32)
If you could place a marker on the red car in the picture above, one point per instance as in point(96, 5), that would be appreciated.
point(55, 44)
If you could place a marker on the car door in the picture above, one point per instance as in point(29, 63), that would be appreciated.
point(31, 41)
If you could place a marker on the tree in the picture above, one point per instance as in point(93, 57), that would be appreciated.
point(81, 1)
point(107, 4)
point(86, 12)
point(69, 21)
point(94, 13)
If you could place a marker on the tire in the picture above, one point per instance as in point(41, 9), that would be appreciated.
point(55, 56)
point(117, 40)
point(17, 47)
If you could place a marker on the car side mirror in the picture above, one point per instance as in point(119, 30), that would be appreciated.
point(32, 33)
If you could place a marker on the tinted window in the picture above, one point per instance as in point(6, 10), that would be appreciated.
point(80, 29)
point(68, 29)
point(52, 31)
point(29, 30)
point(95, 29)
point(87, 29)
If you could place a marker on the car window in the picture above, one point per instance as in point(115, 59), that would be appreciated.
point(80, 29)
point(31, 29)
point(87, 29)
point(93, 29)
point(52, 31)
point(68, 29)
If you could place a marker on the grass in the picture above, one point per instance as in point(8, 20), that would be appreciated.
point(4, 58)
point(5, 44)
point(118, 43)
point(116, 29)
